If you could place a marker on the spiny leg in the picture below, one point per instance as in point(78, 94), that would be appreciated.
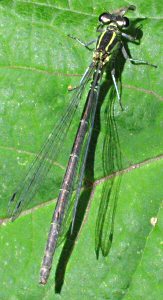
point(137, 61)
point(116, 88)
point(129, 37)
point(86, 45)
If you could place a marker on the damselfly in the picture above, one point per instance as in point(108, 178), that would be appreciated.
point(108, 45)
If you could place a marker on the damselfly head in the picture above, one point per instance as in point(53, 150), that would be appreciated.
point(107, 18)
point(117, 17)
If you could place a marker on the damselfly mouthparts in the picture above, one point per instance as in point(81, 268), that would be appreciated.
point(108, 45)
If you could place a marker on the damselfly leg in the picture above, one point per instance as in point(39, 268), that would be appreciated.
point(86, 45)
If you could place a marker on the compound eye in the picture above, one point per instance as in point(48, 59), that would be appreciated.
point(126, 22)
point(122, 22)
point(105, 18)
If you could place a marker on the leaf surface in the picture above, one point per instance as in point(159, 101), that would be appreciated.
point(38, 62)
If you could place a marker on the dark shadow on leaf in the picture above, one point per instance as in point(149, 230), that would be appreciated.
point(70, 240)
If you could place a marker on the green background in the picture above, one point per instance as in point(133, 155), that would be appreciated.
point(38, 62)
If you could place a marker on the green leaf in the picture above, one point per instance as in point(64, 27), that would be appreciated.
point(147, 279)
point(38, 62)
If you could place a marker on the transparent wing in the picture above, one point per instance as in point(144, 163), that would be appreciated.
point(48, 154)
point(70, 213)
point(84, 153)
